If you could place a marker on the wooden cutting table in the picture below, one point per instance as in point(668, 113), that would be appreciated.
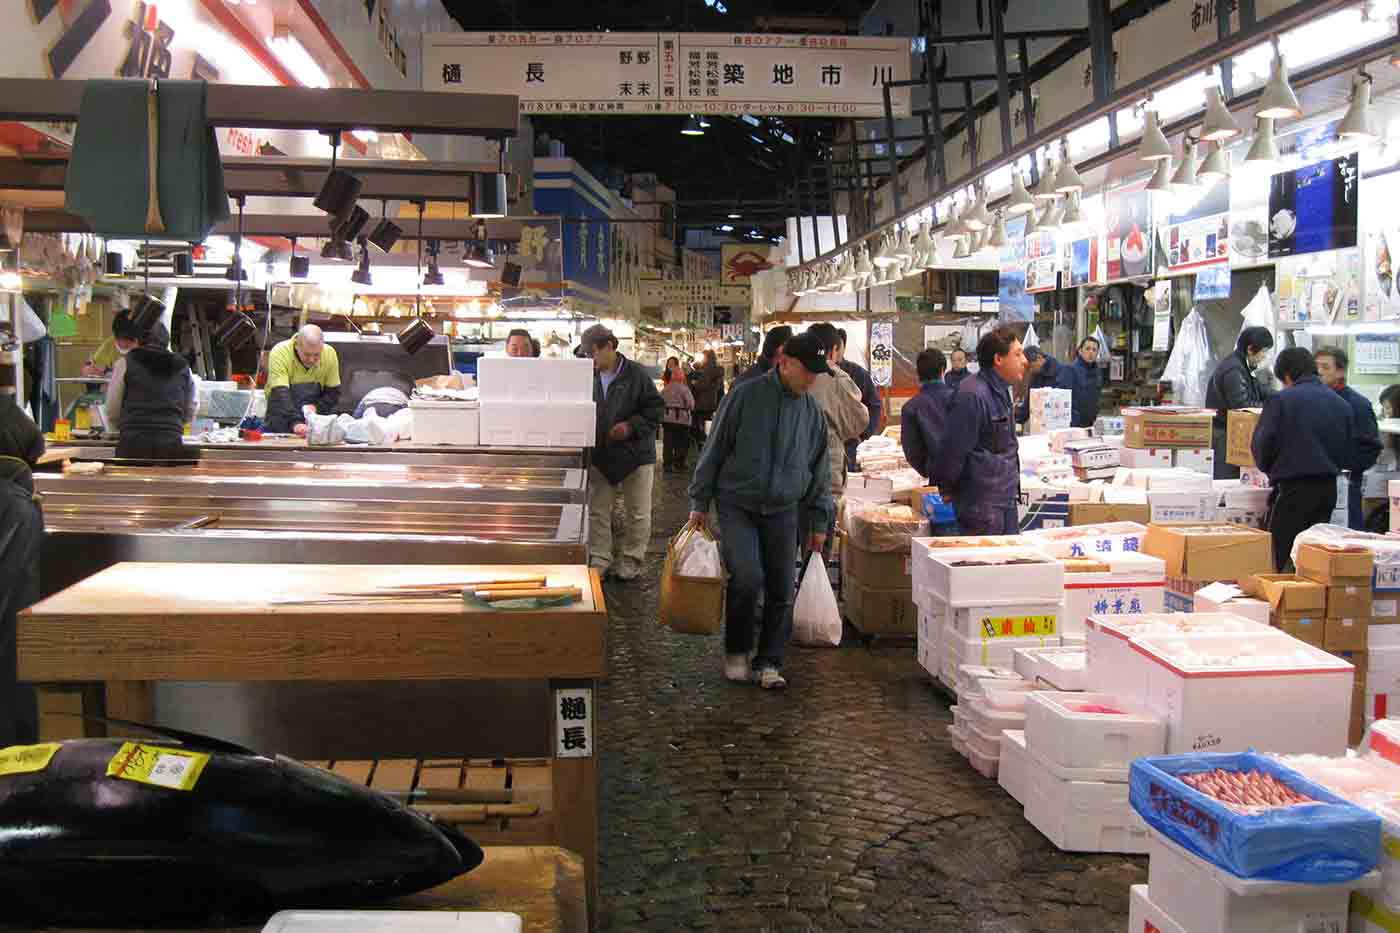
point(135, 624)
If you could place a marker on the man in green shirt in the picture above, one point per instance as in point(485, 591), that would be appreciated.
point(303, 376)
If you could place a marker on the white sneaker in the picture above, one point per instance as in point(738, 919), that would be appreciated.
point(737, 669)
point(771, 679)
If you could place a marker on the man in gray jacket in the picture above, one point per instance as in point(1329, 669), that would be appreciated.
point(766, 469)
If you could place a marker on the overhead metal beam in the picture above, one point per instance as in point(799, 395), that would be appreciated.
point(1003, 80)
point(1068, 32)
point(307, 226)
point(295, 108)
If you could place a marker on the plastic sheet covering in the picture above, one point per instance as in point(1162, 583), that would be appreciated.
point(1328, 842)
point(1189, 366)
point(1385, 548)
point(883, 527)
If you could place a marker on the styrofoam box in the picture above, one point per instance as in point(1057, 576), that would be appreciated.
point(1200, 459)
point(1011, 769)
point(929, 642)
point(995, 652)
point(1113, 665)
point(989, 721)
point(1091, 740)
point(985, 744)
point(955, 736)
point(921, 568)
point(1146, 917)
point(1250, 498)
point(1156, 458)
point(515, 379)
point(1039, 579)
point(1301, 705)
point(446, 422)
point(1175, 506)
point(1256, 610)
point(1082, 816)
point(1135, 584)
point(538, 424)
point(1062, 668)
point(982, 763)
point(974, 621)
point(1203, 899)
point(968, 677)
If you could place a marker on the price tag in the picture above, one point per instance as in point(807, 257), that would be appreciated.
point(26, 759)
point(994, 627)
point(175, 768)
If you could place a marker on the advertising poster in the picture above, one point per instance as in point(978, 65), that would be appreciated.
point(1081, 261)
point(1161, 316)
point(1016, 304)
point(1380, 243)
point(1042, 263)
point(1320, 288)
point(1314, 208)
point(882, 352)
point(1212, 283)
point(1128, 233)
point(1200, 235)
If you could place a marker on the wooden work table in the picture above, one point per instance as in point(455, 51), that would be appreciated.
point(135, 624)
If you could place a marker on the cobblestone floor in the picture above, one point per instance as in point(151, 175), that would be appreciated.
point(839, 803)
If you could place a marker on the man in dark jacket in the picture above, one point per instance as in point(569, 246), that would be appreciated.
point(958, 368)
point(1088, 383)
point(624, 457)
point(869, 397)
point(980, 467)
point(21, 534)
point(766, 470)
point(772, 348)
point(1303, 440)
point(1046, 373)
point(1366, 439)
point(1232, 386)
point(707, 385)
point(923, 422)
point(151, 398)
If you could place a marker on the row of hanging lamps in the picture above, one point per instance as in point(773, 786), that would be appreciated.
point(1067, 180)
point(1021, 200)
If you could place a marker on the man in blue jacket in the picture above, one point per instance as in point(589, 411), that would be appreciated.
point(1366, 446)
point(1303, 440)
point(923, 422)
point(765, 468)
point(869, 397)
point(1046, 373)
point(1088, 383)
point(957, 370)
point(980, 467)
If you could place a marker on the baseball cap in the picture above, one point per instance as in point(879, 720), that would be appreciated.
point(1033, 354)
point(809, 351)
point(589, 337)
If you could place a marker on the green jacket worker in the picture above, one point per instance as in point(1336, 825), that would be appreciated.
point(303, 376)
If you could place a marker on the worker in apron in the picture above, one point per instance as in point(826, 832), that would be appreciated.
point(21, 534)
point(303, 377)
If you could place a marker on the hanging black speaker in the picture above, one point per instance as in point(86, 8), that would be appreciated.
point(416, 335)
point(113, 264)
point(235, 331)
point(300, 267)
point(339, 192)
point(184, 264)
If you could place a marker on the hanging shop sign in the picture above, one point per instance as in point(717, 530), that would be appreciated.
point(882, 352)
point(1200, 235)
point(1161, 316)
point(1314, 208)
point(739, 261)
point(1128, 233)
point(1377, 354)
point(639, 73)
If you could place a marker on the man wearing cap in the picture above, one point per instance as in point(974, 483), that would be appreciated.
point(1046, 372)
point(766, 470)
point(624, 456)
point(303, 376)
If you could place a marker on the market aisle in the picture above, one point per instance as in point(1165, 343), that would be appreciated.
point(838, 803)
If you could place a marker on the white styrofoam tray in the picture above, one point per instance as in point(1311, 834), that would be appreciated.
point(985, 744)
point(392, 921)
point(979, 578)
point(970, 675)
point(989, 720)
point(1014, 763)
point(1065, 667)
point(1057, 731)
point(983, 763)
point(1083, 816)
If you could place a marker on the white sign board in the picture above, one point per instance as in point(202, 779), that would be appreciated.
point(639, 73)
point(882, 352)
point(573, 723)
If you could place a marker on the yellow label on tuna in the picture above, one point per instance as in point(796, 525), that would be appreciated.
point(26, 759)
point(175, 768)
point(1017, 626)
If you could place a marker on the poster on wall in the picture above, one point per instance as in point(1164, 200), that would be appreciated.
point(882, 352)
point(1161, 316)
point(1081, 261)
point(1380, 244)
point(1319, 288)
point(1314, 208)
point(1128, 233)
point(1016, 304)
point(1376, 354)
point(1042, 263)
point(1200, 235)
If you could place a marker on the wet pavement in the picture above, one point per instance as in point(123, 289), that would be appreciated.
point(839, 803)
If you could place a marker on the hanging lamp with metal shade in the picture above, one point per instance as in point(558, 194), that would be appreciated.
point(1185, 176)
point(1154, 146)
point(1021, 200)
point(1067, 180)
point(1278, 101)
point(1263, 152)
point(1161, 178)
point(1359, 124)
point(1219, 123)
point(1216, 167)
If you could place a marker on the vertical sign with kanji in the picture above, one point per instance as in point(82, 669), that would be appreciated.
point(882, 352)
point(573, 723)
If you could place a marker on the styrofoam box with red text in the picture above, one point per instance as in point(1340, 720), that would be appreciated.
point(1097, 541)
point(1135, 584)
point(994, 652)
point(1064, 729)
point(1113, 665)
point(1283, 695)
point(1018, 620)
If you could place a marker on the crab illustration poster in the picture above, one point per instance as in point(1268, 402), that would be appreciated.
point(1314, 208)
point(741, 261)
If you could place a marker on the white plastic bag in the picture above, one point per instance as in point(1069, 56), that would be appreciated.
point(324, 430)
point(401, 423)
point(816, 620)
point(1260, 313)
point(699, 557)
point(1190, 364)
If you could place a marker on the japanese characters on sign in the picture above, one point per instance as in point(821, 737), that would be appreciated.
point(1018, 626)
point(882, 352)
point(632, 73)
point(573, 723)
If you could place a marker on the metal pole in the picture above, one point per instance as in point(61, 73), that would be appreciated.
point(797, 197)
point(1027, 101)
point(1101, 48)
point(971, 124)
point(936, 115)
point(893, 152)
point(1003, 83)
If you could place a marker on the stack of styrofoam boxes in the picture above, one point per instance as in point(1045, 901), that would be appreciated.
point(930, 645)
point(1244, 505)
point(1383, 637)
point(1175, 495)
point(985, 716)
point(1050, 409)
point(1230, 599)
point(1079, 747)
point(1093, 458)
point(443, 421)
point(536, 403)
point(974, 683)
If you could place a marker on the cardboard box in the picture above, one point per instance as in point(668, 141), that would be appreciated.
point(1345, 634)
point(1151, 458)
point(1336, 565)
point(1098, 513)
point(1287, 592)
point(1304, 626)
point(1239, 432)
point(1349, 601)
point(1200, 459)
point(879, 570)
point(873, 611)
point(1206, 552)
point(1145, 428)
point(1181, 506)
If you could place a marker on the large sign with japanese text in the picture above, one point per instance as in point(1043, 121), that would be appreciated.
point(640, 73)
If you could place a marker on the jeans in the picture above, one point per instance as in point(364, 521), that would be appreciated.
point(675, 445)
point(1295, 506)
point(980, 519)
point(635, 490)
point(758, 551)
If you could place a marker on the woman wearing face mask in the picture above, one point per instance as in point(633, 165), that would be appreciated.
point(1234, 386)
point(125, 336)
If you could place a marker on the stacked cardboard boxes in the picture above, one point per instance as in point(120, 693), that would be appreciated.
point(1348, 605)
point(877, 569)
point(1203, 553)
point(1296, 605)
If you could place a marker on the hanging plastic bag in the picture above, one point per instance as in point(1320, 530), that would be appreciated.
point(1030, 340)
point(1189, 366)
point(1260, 313)
point(816, 619)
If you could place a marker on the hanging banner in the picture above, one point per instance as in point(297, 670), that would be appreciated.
point(1313, 209)
point(639, 73)
point(1042, 263)
point(1377, 354)
point(882, 352)
point(1015, 303)
point(1161, 317)
point(1128, 233)
point(1200, 235)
